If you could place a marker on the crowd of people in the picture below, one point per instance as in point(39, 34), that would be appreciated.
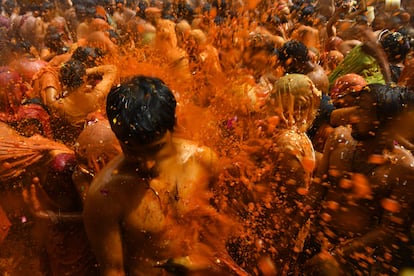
point(206, 137)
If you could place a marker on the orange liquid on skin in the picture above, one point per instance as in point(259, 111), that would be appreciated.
point(226, 125)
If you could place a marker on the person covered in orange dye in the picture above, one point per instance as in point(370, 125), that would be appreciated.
point(76, 87)
point(203, 55)
point(140, 31)
point(264, 180)
point(363, 191)
point(230, 52)
point(166, 45)
point(28, 25)
point(27, 117)
point(306, 30)
point(204, 64)
point(337, 98)
point(52, 18)
point(260, 57)
point(252, 79)
point(24, 60)
point(93, 31)
point(295, 57)
point(39, 166)
point(122, 14)
point(75, 103)
point(148, 210)
point(62, 235)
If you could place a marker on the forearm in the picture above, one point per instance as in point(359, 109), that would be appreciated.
point(102, 69)
point(59, 217)
point(109, 75)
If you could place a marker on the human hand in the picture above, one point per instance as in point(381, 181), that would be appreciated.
point(30, 196)
point(32, 200)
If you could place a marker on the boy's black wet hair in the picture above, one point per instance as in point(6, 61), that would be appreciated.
point(141, 110)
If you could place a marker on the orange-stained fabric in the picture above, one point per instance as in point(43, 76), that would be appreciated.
point(47, 77)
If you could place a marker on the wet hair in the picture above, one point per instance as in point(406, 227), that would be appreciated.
point(35, 7)
point(395, 45)
point(274, 19)
point(80, 10)
point(9, 4)
point(87, 55)
point(306, 14)
point(167, 11)
point(114, 36)
point(22, 46)
point(206, 7)
point(141, 110)
point(72, 72)
point(184, 11)
point(293, 49)
point(91, 3)
point(142, 5)
point(47, 5)
point(53, 39)
point(219, 4)
point(90, 11)
point(89, 7)
point(390, 100)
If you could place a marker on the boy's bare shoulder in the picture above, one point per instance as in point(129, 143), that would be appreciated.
point(192, 150)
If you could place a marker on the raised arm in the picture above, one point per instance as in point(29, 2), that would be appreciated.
point(373, 48)
point(334, 19)
point(109, 76)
